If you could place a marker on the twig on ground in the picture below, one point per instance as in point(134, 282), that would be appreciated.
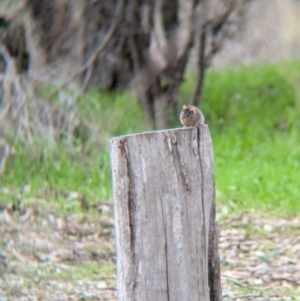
point(246, 296)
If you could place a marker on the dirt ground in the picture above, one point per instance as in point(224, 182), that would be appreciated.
point(44, 256)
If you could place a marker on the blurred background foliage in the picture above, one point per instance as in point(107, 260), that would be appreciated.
point(55, 147)
point(253, 116)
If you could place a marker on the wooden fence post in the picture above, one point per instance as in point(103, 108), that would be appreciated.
point(164, 199)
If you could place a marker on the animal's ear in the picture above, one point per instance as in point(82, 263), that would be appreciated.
point(184, 107)
point(194, 111)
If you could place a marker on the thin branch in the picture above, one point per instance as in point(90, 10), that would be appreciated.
point(215, 46)
point(218, 24)
point(200, 68)
point(159, 32)
point(5, 111)
point(133, 35)
point(205, 60)
point(117, 18)
point(4, 53)
point(6, 151)
point(85, 83)
point(135, 55)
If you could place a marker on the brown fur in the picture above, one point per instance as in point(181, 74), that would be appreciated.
point(191, 116)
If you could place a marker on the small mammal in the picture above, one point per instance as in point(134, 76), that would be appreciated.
point(191, 116)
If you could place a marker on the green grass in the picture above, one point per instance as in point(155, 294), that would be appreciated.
point(254, 118)
point(88, 271)
point(54, 171)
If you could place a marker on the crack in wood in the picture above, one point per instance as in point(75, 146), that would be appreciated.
point(165, 214)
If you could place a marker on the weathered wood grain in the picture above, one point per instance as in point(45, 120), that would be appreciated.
point(164, 198)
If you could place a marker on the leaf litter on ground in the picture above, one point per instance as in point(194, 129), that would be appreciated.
point(49, 256)
point(260, 257)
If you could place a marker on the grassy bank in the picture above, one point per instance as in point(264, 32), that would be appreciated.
point(254, 117)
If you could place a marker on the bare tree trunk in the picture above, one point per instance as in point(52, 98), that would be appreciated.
point(144, 45)
point(166, 233)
